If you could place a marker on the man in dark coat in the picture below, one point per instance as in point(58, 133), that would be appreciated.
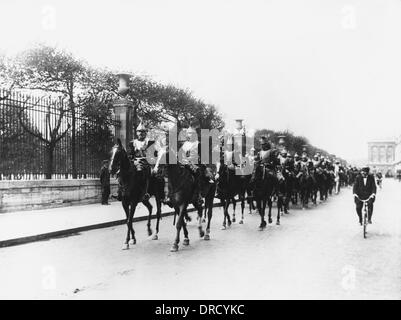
point(364, 189)
point(105, 182)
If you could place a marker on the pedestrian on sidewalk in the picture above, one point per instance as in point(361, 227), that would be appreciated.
point(105, 182)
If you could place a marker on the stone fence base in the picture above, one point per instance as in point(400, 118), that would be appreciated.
point(40, 194)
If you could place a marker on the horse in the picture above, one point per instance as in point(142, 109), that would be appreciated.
point(305, 188)
point(284, 190)
point(182, 186)
point(321, 184)
point(131, 181)
point(265, 186)
point(230, 185)
point(208, 191)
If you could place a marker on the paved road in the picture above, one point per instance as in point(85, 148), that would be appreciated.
point(314, 253)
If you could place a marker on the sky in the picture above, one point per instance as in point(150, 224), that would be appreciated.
point(328, 70)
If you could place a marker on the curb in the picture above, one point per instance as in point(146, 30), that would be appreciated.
point(72, 231)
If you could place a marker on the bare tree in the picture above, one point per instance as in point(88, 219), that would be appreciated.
point(53, 135)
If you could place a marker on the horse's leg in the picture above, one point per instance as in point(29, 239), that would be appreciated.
point(130, 223)
point(180, 222)
point(205, 214)
point(287, 198)
point(200, 212)
point(234, 207)
point(186, 238)
point(223, 202)
point(125, 205)
point(259, 204)
point(279, 208)
point(242, 208)
point(226, 216)
point(158, 217)
point(270, 204)
point(150, 208)
point(209, 205)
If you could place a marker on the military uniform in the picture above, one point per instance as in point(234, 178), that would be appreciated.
point(137, 153)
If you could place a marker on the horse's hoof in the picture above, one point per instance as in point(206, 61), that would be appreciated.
point(186, 242)
point(206, 237)
point(203, 220)
point(150, 232)
point(229, 224)
point(241, 222)
point(125, 246)
point(174, 248)
point(233, 220)
point(270, 220)
point(278, 223)
point(155, 237)
point(132, 241)
point(201, 233)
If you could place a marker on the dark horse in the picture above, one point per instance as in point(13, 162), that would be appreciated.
point(284, 191)
point(231, 184)
point(306, 185)
point(182, 186)
point(208, 192)
point(266, 184)
point(131, 181)
point(321, 179)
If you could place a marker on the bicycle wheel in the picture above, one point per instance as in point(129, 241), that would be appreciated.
point(365, 224)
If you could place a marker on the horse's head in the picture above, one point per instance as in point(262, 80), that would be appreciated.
point(118, 154)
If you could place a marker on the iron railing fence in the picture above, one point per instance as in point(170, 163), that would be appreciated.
point(36, 139)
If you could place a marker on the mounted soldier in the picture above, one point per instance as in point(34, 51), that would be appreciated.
point(137, 154)
point(316, 160)
point(266, 157)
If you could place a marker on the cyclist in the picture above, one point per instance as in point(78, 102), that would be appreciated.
point(364, 189)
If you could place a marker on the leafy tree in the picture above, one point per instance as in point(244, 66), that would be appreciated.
point(50, 70)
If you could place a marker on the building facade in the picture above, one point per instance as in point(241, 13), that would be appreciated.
point(383, 154)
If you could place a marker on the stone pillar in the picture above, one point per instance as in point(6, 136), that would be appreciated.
point(124, 111)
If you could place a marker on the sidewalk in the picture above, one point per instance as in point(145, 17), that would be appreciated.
point(27, 226)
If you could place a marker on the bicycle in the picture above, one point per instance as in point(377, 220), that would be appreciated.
point(365, 215)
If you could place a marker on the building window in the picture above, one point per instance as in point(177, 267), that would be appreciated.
point(390, 154)
point(374, 155)
point(382, 154)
